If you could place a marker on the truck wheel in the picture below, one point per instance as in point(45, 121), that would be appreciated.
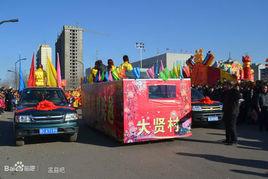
point(73, 138)
point(19, 142)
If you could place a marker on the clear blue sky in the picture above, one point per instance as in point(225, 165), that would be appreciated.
point(236, 26)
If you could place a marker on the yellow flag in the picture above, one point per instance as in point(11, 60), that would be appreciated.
point(175, 70)
point(51, 74)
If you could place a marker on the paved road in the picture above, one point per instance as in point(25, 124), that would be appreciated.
point(97, 156)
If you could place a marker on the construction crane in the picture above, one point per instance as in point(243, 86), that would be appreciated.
point(95, 33)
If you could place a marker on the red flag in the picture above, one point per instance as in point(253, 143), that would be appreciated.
point(31, 80)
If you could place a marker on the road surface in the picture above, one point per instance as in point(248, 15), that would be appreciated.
point(97, 156)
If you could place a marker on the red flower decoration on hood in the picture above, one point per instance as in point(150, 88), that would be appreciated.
point(45, 105)
point(206, 100)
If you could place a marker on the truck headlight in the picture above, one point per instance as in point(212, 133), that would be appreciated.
point(221, 106)
point(71, 116)
point(23, 118)
point(196, 108)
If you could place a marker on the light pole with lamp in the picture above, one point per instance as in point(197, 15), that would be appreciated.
point(10, 20)
point(140, 46)
point(11, 71)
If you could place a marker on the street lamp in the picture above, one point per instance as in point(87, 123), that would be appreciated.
point(140, 46)
point(10, 20)
point(14, 74)
point(11, 71)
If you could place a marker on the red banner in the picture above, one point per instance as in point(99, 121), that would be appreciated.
point(199, 74)
point(214, 75)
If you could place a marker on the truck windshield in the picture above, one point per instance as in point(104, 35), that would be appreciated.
point(34, 96)
point(196, 95)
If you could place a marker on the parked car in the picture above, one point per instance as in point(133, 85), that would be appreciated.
point(44, 112)
point(205, 110)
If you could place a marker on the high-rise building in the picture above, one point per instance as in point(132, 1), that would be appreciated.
point(44, 52)
point(69, 45)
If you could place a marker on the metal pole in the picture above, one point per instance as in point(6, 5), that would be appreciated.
point(16, 75)
point(141, 56)
point(140, 46)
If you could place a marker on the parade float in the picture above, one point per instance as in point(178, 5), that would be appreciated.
point(132, 110)
point(209, 72)
point(137, 110)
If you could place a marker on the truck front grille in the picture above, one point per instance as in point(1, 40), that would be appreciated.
point(48, 119)
point(211, 108)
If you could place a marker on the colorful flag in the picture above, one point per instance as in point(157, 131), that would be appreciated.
point(21, 84)
point(164, 74)
point(161, 66)
point(175, 71)
point(99, 76)
point(150, 72)
point(31, 79)
point(156, 70)
point(110, 77)
point(58, 71)
point(106, 76)
point(51, 74)
point(181, 71)
point(103, 76)
point(115, 74)
point(136, 72)
point(186, 72)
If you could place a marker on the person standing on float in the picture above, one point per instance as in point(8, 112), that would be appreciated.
point(126, 65)
point(110, 66)
point(40, 76)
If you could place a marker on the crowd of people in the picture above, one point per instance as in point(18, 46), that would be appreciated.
point(74, 97)
point(244, 102)
point(109, 72)
point(8, 99)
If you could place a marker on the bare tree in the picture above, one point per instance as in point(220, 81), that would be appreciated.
point(8, 81)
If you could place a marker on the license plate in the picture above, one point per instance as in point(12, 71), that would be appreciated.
point(213, 118)
point(48, 131)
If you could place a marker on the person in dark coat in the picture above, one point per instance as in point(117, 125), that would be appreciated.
point(262, 105)
point(231, 111)
point(9, 98)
